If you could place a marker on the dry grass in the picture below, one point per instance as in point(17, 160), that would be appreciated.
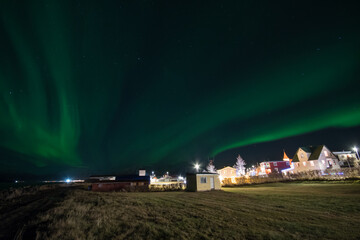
point(269, 211)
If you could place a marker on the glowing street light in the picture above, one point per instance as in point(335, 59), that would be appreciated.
point(197, 166)
point(355, 149)
point(68, 180)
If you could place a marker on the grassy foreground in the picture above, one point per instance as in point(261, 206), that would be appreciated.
point(269, 211)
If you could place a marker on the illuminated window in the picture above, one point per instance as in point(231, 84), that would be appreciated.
point(326, 153)
point(203, 180)
point(323, 161)
point(302, 155)
point(275, 164)
point(304, 163)
point(312, 163)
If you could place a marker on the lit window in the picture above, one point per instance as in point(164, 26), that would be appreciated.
point(275, 164)
point(323, 161)
point(203, 180)
point(302, 155)
point(297, 164)
point(326, 153)
point(304, 163)
point(312, 163)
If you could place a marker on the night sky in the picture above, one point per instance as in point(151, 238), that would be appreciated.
point(92, 87)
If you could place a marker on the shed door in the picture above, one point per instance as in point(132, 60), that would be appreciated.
point(212, 183)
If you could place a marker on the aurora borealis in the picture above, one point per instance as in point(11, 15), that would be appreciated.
point(113, 86)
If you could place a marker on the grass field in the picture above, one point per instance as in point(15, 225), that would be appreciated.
point(268, 211)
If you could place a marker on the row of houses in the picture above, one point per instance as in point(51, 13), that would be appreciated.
point(320, 158)
point(311, 158)
point(194, 182)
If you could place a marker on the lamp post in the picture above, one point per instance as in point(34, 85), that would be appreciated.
point(355, 149)
point(197, 166)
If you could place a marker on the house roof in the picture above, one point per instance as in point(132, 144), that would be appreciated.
point(314, 151)
point(202, 173)
point(295, 158)
point(307, 149)
point(285, 156)
point(226, 167)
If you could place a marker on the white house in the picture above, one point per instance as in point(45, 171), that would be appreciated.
point(313, 158)
point(347, 159)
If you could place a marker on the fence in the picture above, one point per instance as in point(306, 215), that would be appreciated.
point(341, 174)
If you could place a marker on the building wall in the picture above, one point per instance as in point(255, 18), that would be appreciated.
point(309, 166)
point(347, 158)
point(302, 155)
point(227, 172)
point(280, 165)
point(207, 186)
point(193, 182)
point(273, 167)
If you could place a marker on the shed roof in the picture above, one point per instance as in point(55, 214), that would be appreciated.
point(204, 173)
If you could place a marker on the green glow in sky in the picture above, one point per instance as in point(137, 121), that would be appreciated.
point(123, 85)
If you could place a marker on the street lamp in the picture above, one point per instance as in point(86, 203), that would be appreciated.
point(355, 149)
point(197, 166)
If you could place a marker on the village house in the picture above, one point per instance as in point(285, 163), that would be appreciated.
point(274, 166)
point(196, 182)
point(313, 158)
point(95, 178)
point(347, 159)
point(227, 172)
point(127, 183)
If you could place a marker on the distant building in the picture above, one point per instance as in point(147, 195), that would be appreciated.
point(273, 167)
point(128, 183)
point(347, 159)
point(227, 172)
point(196, 182)
point(317, 158)
point(102, 178)
point(168, 181)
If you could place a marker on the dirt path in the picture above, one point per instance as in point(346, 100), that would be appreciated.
point(16, 215)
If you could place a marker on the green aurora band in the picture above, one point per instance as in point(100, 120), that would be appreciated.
point(87, 85)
